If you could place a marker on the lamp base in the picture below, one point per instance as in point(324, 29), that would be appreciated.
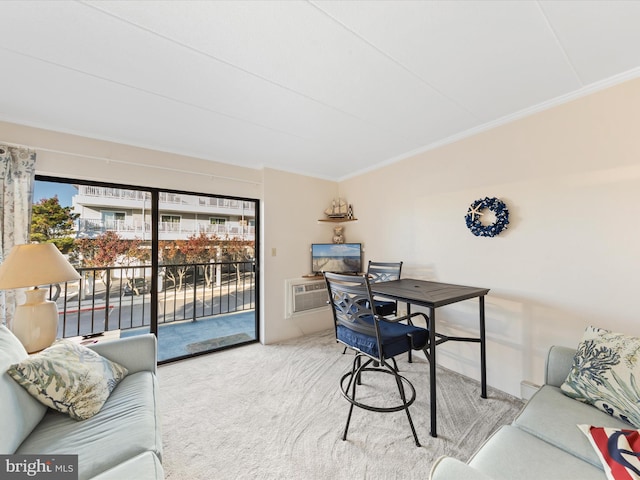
point(35, 322)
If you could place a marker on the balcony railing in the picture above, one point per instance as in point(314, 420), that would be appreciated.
point(119, 298)
point(172, 230)
point(166, 198)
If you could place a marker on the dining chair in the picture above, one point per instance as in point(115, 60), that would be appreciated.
point(384, 272)
point(375, 342)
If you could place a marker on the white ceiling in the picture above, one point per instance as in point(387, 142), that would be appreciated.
point(323, 88)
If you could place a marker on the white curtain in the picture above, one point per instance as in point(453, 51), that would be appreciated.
point(17, 175)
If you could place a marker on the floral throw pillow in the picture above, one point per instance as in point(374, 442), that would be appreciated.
point(69, 377)
point(605, 374)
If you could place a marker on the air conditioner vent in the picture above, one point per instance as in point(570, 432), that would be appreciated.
point(306, 295)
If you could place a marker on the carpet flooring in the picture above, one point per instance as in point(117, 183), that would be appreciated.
point(276, 412)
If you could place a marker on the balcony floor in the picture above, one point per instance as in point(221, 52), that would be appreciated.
point(180, 339)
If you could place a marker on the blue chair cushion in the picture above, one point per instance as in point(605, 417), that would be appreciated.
point(385, 308)
point(394, 338)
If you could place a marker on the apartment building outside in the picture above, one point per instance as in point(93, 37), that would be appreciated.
point(128, 213)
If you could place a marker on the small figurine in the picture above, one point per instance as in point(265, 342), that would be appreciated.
point(350, 212)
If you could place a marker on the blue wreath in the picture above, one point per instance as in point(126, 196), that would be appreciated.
point(473, 217)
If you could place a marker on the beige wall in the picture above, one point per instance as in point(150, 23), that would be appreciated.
point(63, 155)
point(570, 258)
point(292, 205)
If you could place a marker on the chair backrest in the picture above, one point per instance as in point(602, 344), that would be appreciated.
point(350, 299)
point(384, 271)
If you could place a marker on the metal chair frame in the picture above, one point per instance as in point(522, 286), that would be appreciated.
point(351, 301)
point(383, 271)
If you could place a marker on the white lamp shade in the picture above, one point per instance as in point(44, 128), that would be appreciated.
point(35, 264)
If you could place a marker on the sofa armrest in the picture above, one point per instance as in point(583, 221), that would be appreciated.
point(136, 354)
point(448, 468)
point(558, 365)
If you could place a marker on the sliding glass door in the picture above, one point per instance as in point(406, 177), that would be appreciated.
point(179, 264)
point(206, 277)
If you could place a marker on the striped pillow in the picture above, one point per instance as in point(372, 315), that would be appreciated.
point(617, 449)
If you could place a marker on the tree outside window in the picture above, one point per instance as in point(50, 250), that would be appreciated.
point(53, 223)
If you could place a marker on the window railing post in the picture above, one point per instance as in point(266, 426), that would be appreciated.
point(195, 290)
point(106, 299)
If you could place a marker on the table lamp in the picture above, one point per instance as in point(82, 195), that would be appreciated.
point(35, 322)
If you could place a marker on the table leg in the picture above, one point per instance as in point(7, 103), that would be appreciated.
point(409, 353)
point(483, 352)
point(432, 368)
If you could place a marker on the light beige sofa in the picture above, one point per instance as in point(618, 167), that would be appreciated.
point(543, 442)
point(122, 441)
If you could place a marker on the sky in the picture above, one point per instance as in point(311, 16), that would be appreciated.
point(50, 189)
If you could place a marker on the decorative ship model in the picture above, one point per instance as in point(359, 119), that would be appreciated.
point(338, 209)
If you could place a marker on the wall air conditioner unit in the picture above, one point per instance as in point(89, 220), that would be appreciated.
point(304, 296)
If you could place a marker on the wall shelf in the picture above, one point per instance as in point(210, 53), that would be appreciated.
point(338, 220)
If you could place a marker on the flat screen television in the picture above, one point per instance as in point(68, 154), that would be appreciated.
point(336, 257)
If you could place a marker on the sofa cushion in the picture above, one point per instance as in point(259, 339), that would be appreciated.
point(617, 450)
point(69, 377)
point(126, 426)
point(553, 417)
point(447, 468)
point(20, 411)
point(145, 466)
point(514, 454)
point(604, 373)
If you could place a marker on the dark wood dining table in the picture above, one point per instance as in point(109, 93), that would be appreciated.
point(433, 295)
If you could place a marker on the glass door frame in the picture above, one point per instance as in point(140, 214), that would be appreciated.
point(155, 220)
